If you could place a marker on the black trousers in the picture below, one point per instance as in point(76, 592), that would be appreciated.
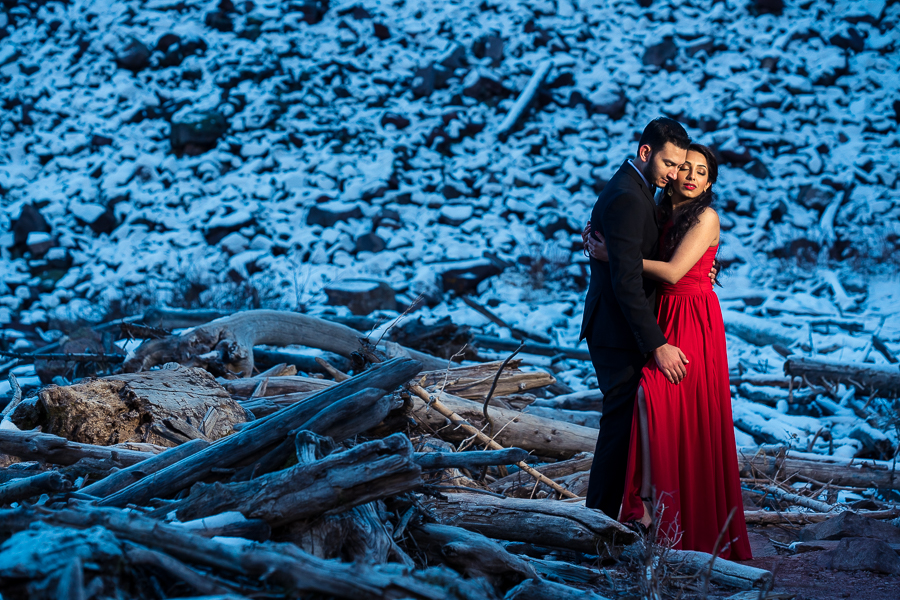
point(618, 377)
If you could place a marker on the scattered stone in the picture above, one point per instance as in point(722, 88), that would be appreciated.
point(464, 277)
point(30, 220)
point(484, 86)
point(662, 54)
point(398, 121)
point(134, 55)
point(218, 227)
point(38, 242)
point(175, 49)
point(381, 31)
point(768, 6)
point(423, 82)
point(489, 46)
point(219, 21)
point(362, 296)
point(330, 213)
point(370, 242)
point(455, 214)
point(100, 140)
point(550, 223)
point(852, 39)
point(862, 554)
point(757, 169)
point(610, 101)
point(195, 132)
point(234, 243)
point(313, 10)
point(849, 524)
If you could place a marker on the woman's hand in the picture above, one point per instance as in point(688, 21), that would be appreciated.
point(593, 247)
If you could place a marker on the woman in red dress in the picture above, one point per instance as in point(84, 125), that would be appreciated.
point(682, 457)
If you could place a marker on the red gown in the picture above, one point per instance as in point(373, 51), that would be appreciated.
point(693, 460)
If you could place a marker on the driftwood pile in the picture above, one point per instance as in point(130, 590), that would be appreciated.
point(192, 473)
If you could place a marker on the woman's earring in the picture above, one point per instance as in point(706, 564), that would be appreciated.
point(669, 190)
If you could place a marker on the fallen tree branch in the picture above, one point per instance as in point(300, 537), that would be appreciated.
point(19, 489)
point(865, 377)
point(44, 447)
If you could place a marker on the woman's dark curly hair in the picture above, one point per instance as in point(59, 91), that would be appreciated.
point(689, 214)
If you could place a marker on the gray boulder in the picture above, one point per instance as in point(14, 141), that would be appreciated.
point(849, 524)
point(862, 554)
point(196, 132)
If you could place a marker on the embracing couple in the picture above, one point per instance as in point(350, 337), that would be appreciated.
point(657, 341)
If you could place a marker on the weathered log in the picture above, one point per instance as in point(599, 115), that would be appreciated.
point(275, 386)
point(166, 317)
point(584, 418)
point(125, 477)
point(264, 356)
point(584, 400)
point(125, 408)
point(803, 501)
point(765, 517)
point(338, 482)
point(525, 100)
point(548, 590)
point(758, 331)
point(470, 460)
point(32, 445)
point(474, 382)
point(472, 554)
point(540, 522)
point(367, 540)
point(495, 343)
point(230, 524)
point(724, 572)
point(225, 346)
point(511, 428)
point(282, 565)
point(174, 568)
point(260, 434)
point(885, 379)
point(565, 572)
point(579, 463)
point(50, 482)
point(464, 425)
point(775, 463)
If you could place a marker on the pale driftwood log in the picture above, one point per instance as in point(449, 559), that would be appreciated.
point(758, 331)
point(765, 517)
point(884, 379)
point(460, 423)
point(338, 482)
point(470, 460)
point(281, 564)
point(541, 436)
point(230, 524)
point(265, 406)
point(125, 408)
point(525, 100)
point(125, 477)
point(225, 346)
point(31, 445)
point(584, 418)
point(565, 572)
point(276, 386)
point(474, 382)
point(261, 434)
point(579, 463)
point(724, 572)
point(472, 554)
point(539, 522)
point(771, 463)
point(51, 482)
point(366, 539)
point(584, 400)
point(803, 501)
point(549, 590)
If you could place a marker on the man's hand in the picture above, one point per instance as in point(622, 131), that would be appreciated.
point(714, 271)
point(671, 361)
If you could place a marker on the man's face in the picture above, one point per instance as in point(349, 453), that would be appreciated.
point(662, 165)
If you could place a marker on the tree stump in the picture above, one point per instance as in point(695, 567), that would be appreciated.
point(164, 407)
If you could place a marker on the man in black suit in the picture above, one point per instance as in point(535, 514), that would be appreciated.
point(619, 311)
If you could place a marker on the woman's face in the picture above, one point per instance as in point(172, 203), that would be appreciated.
point(693, 176)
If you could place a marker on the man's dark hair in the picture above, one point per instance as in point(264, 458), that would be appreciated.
point(662, 130)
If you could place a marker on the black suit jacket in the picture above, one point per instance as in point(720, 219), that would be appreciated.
point(619, 311)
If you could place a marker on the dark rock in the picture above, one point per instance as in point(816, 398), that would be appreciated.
point(313, 10)
point(550, 223)
point(30, 220)
point(851, 40)
point(219, 21)
point(398, 121)
point(175, 49)
point(757, 169)
point(775, 7)
point(611, 102)
point(370, 242)
point(423, 82)
point(733, 158)
point(484, 86)
point(862, 554)
point(815, 197)
point(489, 46)
point(197, 132)
point(100, 140)
point(896, 106)
point(330, 213)
point(704, 44)
point(463, 278)
point(226, 6)
point(662, 54)
point(39, 242)
point(850, 525)
point(453, 58)
point(106, 222)
point(134, 55)
point(362, 296)
point(381, 31)
point(644, 3)
point(28, 70)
